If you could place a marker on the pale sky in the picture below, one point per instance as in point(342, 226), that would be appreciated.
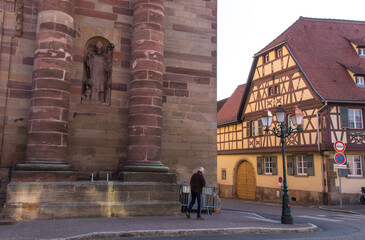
point(247, 26)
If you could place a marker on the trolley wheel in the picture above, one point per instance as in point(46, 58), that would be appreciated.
point(362, 199)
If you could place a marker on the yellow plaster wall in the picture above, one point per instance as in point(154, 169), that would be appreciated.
point(350, 184)
point(305, 183)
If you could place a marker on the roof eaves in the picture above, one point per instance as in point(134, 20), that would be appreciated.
point(269, 49)
point(247, 90)
point(226, 123)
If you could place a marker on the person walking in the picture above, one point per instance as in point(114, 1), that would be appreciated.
point(197, 182)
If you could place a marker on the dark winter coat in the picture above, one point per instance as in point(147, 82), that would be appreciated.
point(197, 182)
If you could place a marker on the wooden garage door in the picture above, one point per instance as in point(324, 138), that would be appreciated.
point(246, 184)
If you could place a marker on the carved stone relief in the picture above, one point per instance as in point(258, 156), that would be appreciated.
point(19, 18)
point(96, 85)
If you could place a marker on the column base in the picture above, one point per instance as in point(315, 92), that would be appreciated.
point(287, 219)
point(148, 177)
point(37, 171)
point(145, 166)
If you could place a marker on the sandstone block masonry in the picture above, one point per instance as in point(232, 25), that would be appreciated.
point(159, 110)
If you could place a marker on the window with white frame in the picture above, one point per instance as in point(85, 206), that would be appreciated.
point(279, 52)
point(362, 52)
point(354, 165)
point(359, 80)
point(302, 165)
point(355, 118)
point(351, 118)
point(267, 165)
point(257, 129)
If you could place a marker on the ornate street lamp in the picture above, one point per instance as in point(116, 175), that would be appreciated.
point(283, 131)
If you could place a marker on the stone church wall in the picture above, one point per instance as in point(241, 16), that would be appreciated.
point(97, 135)
point(189, 126)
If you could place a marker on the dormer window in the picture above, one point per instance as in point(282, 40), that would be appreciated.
point(360, 80)
point(362, 52)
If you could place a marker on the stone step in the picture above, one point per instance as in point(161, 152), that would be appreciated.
point(91, 192)
point(42, 200)
point(87, 210)
point(6, 221)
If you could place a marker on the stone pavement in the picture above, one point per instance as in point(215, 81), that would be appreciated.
point(234, 218)
point(89, 228)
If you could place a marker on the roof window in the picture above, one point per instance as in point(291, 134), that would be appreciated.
point(360, 81)
point(362, 52)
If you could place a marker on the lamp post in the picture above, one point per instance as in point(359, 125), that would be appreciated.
point(283, 131)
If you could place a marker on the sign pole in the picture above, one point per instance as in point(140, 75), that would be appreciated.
point(339, 176)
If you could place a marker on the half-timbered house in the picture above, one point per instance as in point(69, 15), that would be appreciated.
point(319, 66)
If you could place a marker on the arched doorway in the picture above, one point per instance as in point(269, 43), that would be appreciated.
point(245, 181)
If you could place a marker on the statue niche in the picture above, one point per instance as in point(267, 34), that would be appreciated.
point(98, 66)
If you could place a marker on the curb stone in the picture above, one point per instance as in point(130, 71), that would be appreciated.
point(143, 233)
point(339, 210)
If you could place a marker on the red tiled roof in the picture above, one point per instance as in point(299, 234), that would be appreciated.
point(220, 103)
point(322, 48)
point(229, 112)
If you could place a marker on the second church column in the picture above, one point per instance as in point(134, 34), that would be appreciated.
point(145, 101)
point(48, 120)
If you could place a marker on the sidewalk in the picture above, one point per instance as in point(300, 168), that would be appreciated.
point(88, 228)
point(346, 208)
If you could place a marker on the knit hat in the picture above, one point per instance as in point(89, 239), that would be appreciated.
point(201, 169)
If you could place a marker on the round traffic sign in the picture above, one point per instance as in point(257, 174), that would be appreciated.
point(340, 158)
point(280, 179)
point(339, 146)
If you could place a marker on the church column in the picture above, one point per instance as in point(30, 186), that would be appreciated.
point(145, 100)
point(49, 106)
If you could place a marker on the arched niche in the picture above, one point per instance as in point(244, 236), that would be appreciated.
point(97, 74)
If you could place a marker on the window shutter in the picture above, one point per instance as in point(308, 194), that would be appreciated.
point(248, 129)
point(259, 165)
point(274, 162)
point(310, 164)
point(290, 165)
point(344, 117)
point(260, 128)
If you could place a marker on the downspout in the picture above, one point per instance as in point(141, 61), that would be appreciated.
point(324, 202)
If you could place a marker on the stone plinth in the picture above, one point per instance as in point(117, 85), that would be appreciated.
point(148, 177)
point(45, 200)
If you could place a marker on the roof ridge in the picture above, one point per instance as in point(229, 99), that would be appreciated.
point(333, 20)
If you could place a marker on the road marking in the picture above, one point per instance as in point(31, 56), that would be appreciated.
point(261, 218)
point(321, 218)
point(352, 216)
point(255, 216)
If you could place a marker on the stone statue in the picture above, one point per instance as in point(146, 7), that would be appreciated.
point(96, 87)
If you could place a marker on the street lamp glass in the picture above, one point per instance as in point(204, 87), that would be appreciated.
point(266, 118)
point(297, 116)
point(280, 114)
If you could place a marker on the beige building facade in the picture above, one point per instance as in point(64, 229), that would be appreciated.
point(292, 71)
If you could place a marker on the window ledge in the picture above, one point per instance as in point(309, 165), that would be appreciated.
point(354, 176)
point(301, 175)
